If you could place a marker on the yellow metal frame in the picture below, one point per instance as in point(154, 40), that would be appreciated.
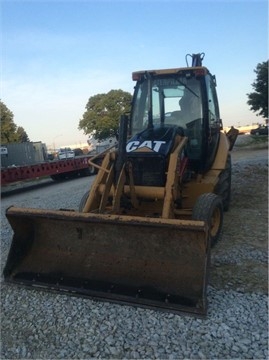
point(207, 183)
point(105, 196)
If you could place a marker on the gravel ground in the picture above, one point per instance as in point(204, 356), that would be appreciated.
point(41, 325)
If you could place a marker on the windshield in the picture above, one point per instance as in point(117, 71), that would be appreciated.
point(168, 100)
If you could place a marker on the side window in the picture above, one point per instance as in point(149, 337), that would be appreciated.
point(212, 103)
point(155, 105)
point(139, 115)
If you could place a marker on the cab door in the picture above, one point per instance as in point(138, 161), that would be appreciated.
point(214, 122)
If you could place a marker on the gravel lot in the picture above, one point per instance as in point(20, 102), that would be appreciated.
point(41, 325)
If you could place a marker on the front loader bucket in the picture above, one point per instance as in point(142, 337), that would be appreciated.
point(148, 262)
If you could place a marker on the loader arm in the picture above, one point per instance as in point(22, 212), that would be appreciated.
point(172, 183)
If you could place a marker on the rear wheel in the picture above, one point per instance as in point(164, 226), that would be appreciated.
point(209, 208)
point(58, 177)
point(89, 171)
point(92, 170)
point(223, 188)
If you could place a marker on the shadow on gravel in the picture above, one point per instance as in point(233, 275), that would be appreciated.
point(23, 187)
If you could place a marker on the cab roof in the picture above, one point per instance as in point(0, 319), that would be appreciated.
point(199, 70)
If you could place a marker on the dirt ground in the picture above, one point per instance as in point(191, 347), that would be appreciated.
point(239, 260)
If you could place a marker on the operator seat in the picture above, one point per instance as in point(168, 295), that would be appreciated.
point(175, 118)
point(181, 117)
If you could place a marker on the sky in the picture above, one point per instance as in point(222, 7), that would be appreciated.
point(56, 54)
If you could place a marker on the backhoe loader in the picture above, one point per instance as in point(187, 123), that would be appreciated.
point(143, 231)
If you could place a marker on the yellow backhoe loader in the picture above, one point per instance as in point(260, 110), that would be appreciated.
point(143, 232)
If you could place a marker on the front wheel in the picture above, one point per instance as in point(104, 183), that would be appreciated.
point(83, 201)
point(209, 208)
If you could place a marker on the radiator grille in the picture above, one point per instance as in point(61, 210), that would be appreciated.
point(149, 171)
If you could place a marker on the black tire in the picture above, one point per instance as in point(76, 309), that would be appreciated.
point(209, 208)
point(92, 170)
point(58, 177)
point(83, 201)
point(223, 188)
point(88, 171)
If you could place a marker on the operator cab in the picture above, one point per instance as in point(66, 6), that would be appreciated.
point(184, 98)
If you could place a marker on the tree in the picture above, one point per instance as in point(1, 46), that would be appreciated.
point(258, 100)
point(103, 113)
point(22, 135)
point(10, 132)
point(8, 127)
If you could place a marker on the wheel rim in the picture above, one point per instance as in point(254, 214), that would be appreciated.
point(215, 222)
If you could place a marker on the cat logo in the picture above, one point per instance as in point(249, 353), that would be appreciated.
point(147, 145)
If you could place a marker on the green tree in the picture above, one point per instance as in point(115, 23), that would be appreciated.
point(258, 100)
point(10, 132)
point(8, 127)
point(22, 135)
point(103, 113)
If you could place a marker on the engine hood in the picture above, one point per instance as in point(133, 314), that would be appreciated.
point(159, 139)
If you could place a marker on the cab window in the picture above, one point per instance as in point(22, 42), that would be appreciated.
point(212, 103)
